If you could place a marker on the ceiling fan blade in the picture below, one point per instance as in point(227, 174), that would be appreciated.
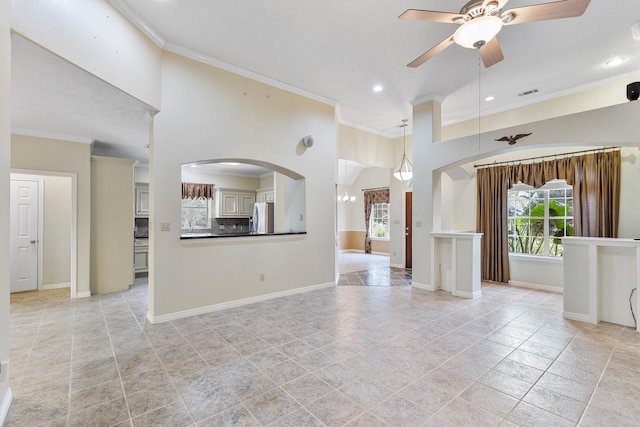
point(429, 15)
point(431, 52)
point(545, 11)
point(491, 53)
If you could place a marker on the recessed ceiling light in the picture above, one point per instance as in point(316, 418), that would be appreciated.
point(377, 88)
point(490, 98)
point(192, 165)
point(615, 61)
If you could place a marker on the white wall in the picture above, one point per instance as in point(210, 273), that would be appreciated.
point(365, 147)
point(93, 35)
point(629, 223)
point(5, 169)
point(57, 231)
point(141, 173)
point(200, 105)
point(294, 205)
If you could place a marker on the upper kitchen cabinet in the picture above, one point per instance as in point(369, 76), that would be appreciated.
point(265, 195)
point(142, 199)
point(234, 203)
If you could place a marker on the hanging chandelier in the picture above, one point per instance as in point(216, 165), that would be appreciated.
point(346, 198)
point(404, 170)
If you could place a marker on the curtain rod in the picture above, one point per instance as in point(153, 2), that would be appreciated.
point(377, 188)
point(506, 162)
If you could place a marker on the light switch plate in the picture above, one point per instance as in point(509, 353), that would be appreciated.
point(165, 226)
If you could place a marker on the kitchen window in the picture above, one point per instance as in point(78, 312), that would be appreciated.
point(538, 219)
point(195, 214)
point(379, 221)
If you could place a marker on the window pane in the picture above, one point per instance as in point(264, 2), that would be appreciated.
point(539, 218)
point(194, 203)
point(379, 221)
point(195, 214)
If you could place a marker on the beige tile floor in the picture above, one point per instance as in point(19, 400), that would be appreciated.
point(349, 355)
point(358, 269)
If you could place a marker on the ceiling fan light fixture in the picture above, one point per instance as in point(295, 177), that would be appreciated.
point(477, 32)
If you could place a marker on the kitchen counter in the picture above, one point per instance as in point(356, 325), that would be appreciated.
point(191, 236)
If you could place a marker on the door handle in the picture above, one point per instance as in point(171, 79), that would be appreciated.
point(32, 242)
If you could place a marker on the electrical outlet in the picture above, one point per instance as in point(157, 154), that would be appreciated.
point(418, 223)
point(300, 217)
point(262, 277)
point(165, 226)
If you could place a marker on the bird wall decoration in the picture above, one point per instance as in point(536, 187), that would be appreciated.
point(513, 139)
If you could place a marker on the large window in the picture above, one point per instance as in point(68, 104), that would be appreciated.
point(195, 214)
point(538, 219)
point(379, 221)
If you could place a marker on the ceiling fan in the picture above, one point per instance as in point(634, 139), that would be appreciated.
point(481, 20)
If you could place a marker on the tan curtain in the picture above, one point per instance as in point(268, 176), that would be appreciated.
point(491, 220)
point(595, 179)
point(192, 190)
point(370, 198)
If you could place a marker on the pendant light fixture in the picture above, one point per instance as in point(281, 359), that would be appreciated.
point(345, 197)
point(404, 170)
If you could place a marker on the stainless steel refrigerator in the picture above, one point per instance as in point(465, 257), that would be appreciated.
point(262, 219)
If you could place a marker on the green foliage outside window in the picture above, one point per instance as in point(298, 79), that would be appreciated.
point(538, 220)
point(379, 222)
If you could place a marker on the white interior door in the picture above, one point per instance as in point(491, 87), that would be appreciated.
point(24, 235)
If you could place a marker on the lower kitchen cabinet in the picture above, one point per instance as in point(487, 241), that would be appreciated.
point(141, 257)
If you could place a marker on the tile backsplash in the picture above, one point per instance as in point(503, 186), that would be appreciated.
point(229, 225)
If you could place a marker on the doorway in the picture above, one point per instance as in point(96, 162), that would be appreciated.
point(43, 231)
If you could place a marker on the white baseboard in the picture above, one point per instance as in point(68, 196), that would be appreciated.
point(84, 294)
point(536, 286)
point(576, 316)
point(396, 265)
point(422, 286)
point(5, 405)
point(56, 286)
point(469, 295)
point(237, 303)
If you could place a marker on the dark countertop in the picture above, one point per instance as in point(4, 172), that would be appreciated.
point(215, 236)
